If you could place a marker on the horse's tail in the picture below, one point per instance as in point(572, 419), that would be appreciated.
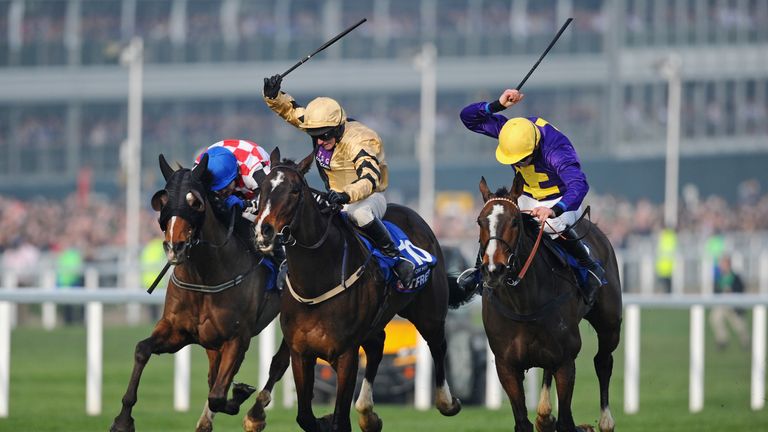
point(456, 295)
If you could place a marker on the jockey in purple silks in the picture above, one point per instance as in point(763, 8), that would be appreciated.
point(554, 184)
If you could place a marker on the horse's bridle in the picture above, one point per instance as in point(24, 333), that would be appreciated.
point(512, 259)
point(285, 236)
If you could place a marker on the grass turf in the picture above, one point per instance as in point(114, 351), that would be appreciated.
point(48, 387)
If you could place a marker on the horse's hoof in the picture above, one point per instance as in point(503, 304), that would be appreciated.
point(585, 428)
point(325, 423)
point(207, 427)
point(370, 422)
point(241, 392)
point(452, 410)
point(122, 426)
point(545, 423)
point(253, 425)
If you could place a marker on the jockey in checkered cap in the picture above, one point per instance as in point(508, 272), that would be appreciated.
point(237, 167)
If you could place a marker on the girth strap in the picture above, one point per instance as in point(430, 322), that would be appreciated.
point(534, 316)
point(212, 288)
point(328, 294)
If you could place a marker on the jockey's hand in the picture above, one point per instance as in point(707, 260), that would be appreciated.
point(272, 86)
point(542, 213)
point(234, 201)
point(510, 97)
point(334, 197)
point(250, 206)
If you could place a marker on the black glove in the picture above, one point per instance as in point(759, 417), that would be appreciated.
point(337, 197)
point(272, 86)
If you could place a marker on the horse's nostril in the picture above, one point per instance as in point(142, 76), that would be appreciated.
point(267, 231)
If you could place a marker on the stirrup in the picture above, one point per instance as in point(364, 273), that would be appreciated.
point(405, 276)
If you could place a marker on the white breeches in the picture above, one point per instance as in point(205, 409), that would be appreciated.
point(555, 225)
point(362, 212)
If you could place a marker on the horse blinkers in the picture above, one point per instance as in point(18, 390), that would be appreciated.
point(507, 270)
point(183, 232)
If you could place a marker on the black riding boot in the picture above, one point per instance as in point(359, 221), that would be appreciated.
point(469, 279)
point(579, 250)
point(380, 236)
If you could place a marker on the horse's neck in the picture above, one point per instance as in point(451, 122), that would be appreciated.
point(537, 286)
point(319, 270)
point(209, 264)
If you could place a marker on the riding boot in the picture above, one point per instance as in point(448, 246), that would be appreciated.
point(382, 240)
point(579, 250)
point(469, 280)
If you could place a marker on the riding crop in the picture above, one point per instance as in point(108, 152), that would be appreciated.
point(551, 44)
point(325, 45)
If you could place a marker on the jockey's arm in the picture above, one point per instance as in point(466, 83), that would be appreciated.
point(286, 107)
point(367, 169)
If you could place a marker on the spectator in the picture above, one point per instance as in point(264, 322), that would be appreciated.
point(722, 317)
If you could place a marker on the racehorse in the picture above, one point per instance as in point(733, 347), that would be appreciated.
point(532, 308)
point(339, 300)
point(215, 298)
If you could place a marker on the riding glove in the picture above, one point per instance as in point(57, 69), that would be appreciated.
point(337, 197)
point(234, 201)
point(272, 86)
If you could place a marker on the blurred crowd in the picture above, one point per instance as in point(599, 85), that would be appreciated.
point(40, 32)
point(32, 228)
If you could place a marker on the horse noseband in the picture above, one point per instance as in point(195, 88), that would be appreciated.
point(285, 237)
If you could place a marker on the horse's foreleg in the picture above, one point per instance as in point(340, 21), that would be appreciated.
point(205, 422)
point(607, 342)
point(164, 339)
point(566, 378)
point(255, 420)
point(232, 354)
point(304, 378)
point(512, 381)
point(545, 421)
point(346, 376)
point(368, 420)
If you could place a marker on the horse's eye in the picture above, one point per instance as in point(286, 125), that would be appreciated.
point(295, 190)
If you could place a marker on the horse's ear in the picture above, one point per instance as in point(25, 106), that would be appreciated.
point(159, 200)
point(517, 187)
point(165, 168)
point(197, 171)
point(484, 191)
point(274, 157)
point(306, 163)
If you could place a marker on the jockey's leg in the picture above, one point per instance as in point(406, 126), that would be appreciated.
point(579, 250)
point(470, 279)
point(376, 230)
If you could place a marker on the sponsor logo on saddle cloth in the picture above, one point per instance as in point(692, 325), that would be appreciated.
point(421, 259)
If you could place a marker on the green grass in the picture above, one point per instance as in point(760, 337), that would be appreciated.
point(48, 387)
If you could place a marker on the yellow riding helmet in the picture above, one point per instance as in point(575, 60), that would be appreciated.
point(323, 112)
point(517, 140)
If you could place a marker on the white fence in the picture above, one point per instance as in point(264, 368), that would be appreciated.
point(94, 298)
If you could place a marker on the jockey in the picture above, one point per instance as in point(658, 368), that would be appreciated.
point(555, 185)
point(350, 158)
point(237, 167)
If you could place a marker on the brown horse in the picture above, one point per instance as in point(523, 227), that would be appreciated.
point(533, 321)
point(216, 298)
point(339, 300)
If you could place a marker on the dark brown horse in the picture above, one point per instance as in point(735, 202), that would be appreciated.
point(216, 298)
point(338, 300)
point(534, 321)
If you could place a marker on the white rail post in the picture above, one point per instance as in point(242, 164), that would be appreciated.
point(94, 334)
point(647, 274)
point(696, 376)
point(632, 359)
point(9, 283)
point(532, 382)
point(758, 339)
point(423, 388)
point(492, 384)
point(678, 275)
point(181, 372)
point(49, 308)
point(289, 389)
point(266, 351)
point(707, 274)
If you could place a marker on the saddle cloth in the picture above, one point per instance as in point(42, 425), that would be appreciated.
point(271, 283)
point(421, 259)
point(581, 272)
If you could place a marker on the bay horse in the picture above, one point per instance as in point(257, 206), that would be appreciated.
point(531, 313)
point(339, 300)
point(216, 298)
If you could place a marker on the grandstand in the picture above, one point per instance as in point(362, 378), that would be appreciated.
point(63, 92)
